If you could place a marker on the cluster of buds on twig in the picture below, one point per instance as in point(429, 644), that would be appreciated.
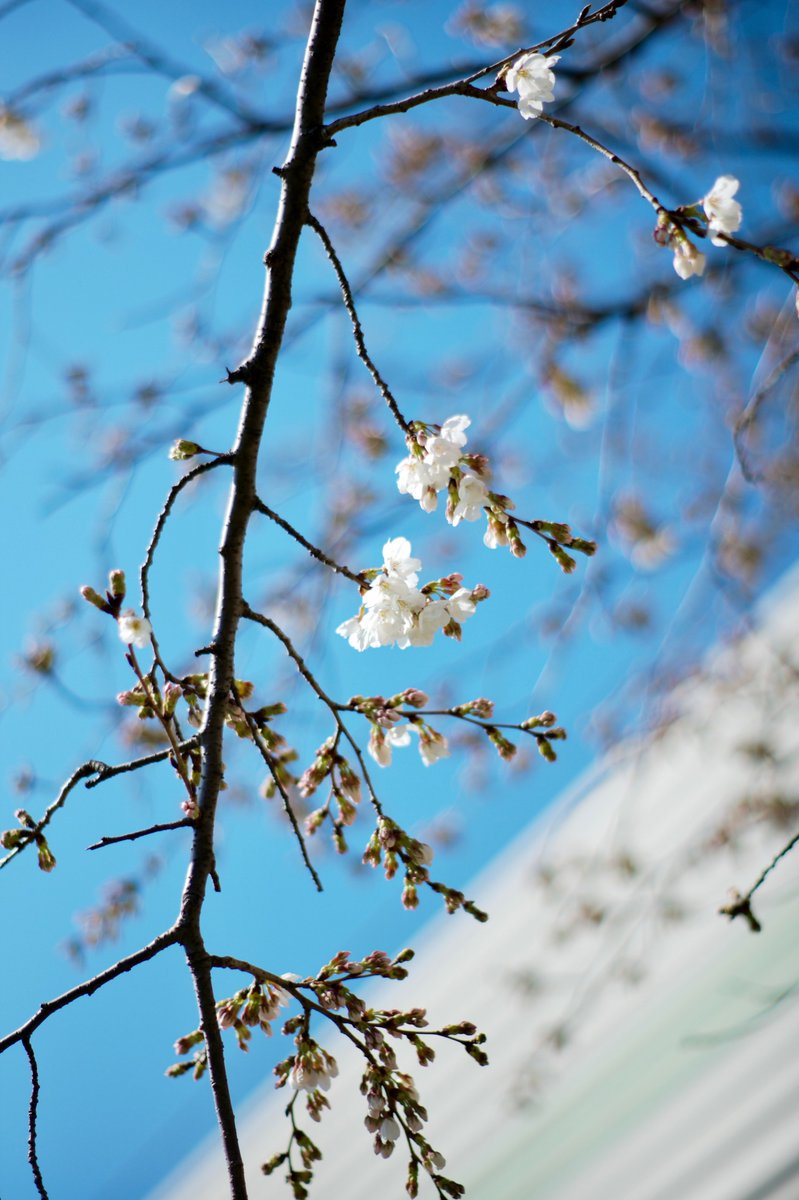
point(133, 629)
point(14, 839)
point(392, 846)
point(252, 1007)
point(545, 730)
point(345, 791)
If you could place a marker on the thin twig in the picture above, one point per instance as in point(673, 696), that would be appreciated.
point(314, 551)
point(140, 833)
point(259, 618)
point(90, 986)
point(33, 1157)
point(105, 772)
point(740, 906)
point(163, 516)
point(457, 87)
point(357, 328)
point(268, 758)
point(87, 768)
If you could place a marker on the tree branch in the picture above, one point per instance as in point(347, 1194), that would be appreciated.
point(357, 328)
point(33, 1157)
point(90, 986)
point(314, 551)
point(187, 822)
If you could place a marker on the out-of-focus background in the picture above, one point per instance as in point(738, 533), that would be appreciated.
point(502, 270)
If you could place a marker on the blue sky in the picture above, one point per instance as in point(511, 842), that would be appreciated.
point(119, 296)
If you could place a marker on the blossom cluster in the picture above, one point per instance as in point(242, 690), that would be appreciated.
point(533, 78)
point(395, 611)
point(722, 214)
point(436, 460)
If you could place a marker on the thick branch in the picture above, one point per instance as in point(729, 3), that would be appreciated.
point(296, 175)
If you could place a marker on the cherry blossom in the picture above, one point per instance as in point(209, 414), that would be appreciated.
point(133, 630)
point(688, 260)
point(383, 741)
point(724, 214)
point(395, 611)
point(426, 470)
point(432, 746)
point(472, 498)
point(533, 78)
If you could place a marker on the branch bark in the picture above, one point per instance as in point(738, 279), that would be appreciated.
point(257, 372)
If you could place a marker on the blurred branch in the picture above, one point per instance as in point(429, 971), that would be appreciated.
point(741, 906)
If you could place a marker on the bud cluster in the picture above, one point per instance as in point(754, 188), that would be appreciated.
point(14, 839)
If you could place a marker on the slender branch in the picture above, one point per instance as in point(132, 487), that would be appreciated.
point(187, 822)
point(259, 619)
point(457, 87)
point(749, 414)
point(33, 1157)
point(90, 986)
point(105, 772)
point(296, 175)
point(308, 676)
point(88, 768)
point(263, 750)
point(226, 962)
point(314, 551)
point(357, 328)
point(741, 906)
point(163, 516)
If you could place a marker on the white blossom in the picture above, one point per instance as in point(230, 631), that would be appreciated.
point(423, 478)
point(397, 560)
point(688, 260)
point(133, 630)
point(308, 1074)
point(432, 747)
point(472, 498)
point(461, 606)
point(383, 741)
point(389, 1129)
point(533, 78)
point(395, 611)
point(724, 215)
point(495, 534)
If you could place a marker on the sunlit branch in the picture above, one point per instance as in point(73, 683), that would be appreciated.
point(314, 551)
point(292, 651)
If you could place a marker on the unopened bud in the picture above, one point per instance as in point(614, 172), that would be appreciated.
point(93, 597)
point(116, 584)
point(183, 449)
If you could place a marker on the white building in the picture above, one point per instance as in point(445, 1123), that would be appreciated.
point(656, 1040)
